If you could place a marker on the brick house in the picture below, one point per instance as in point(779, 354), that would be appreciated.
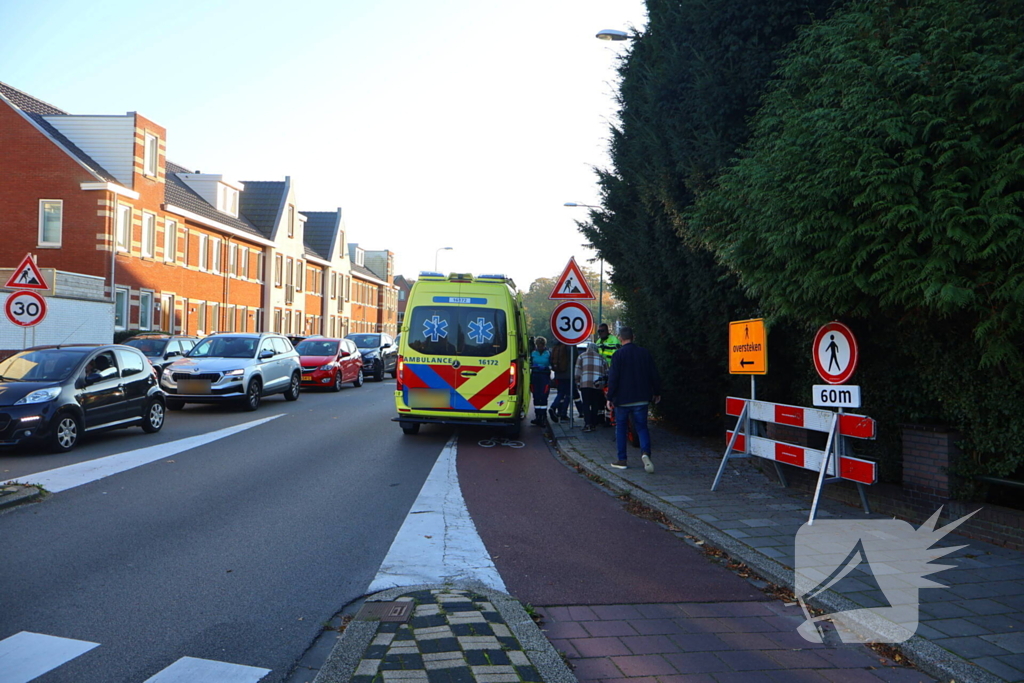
point(374, 295)
point(404, 287)
point(324, 239)
point(140, 243)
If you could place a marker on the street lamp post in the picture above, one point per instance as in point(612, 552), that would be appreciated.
point(600, 287)
point(438, 253)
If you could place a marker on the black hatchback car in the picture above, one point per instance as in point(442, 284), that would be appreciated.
point(380, 354)
point(162, 349)
point(55, 394)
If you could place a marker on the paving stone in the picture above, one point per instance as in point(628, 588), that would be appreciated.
point(1011, 642)
point(487, 658)
point(697, 663)
point(997, 666)
point(971, 648)
point(644, 665)
point(368, 667)
point(957, 627)
point(406, 676)
point(617, 612)
point(700, 643)
point(565, 630)
point(479, 643)
point(595, 668)
point(609, 628)
point(600, 647)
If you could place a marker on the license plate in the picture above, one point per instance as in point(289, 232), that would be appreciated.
point(307, 378)
point(194, 386)
point(430, 398)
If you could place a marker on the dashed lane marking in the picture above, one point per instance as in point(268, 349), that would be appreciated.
point(192, 670)
point(28, 655)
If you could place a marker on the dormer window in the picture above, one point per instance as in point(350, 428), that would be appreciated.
point(227, 200)
point(359, 257)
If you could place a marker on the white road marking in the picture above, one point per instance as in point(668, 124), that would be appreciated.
point(70, 476)
point(192, 670)
point(28, 655)
point(438, 541)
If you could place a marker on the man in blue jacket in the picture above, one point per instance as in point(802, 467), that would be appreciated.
point(633, 383)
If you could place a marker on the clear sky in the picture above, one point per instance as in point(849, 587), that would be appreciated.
point(461, 123)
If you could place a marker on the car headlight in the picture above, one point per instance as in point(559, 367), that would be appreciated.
point(39, 396)
point(327, 367)
point(235, 373)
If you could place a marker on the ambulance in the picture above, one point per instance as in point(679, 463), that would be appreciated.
point(463, 356)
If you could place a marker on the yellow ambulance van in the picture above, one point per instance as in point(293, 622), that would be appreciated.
point(463, 355)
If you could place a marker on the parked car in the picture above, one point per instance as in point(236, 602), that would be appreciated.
point(162, 349)
point(380, 354)
point(234, 367)
point(55, 394)
point(329, 362)
point(295, 339)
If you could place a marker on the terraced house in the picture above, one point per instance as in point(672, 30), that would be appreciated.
point(141, 243)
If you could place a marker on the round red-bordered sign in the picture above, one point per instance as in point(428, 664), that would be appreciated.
point(25, 308)
point(835, 353)
point(572, 323)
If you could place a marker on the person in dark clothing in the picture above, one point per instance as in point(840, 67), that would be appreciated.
point(633, 383)
point(563, 359)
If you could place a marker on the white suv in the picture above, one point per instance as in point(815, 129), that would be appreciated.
point(234, 367)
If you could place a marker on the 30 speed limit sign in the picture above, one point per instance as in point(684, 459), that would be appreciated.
point(572, 323)
point(25, 308)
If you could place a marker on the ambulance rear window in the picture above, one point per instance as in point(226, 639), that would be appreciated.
point(458, 331)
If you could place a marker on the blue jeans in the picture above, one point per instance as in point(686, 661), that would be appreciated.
point(560, 406)
point(638, 415)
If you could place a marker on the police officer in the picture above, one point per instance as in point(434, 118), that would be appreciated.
point(607, 344)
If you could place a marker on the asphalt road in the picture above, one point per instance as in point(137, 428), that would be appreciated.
point(236, 551)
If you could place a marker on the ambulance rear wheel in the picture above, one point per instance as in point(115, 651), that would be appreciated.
point(410, 428)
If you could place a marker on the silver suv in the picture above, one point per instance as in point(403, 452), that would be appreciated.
point(234, 367)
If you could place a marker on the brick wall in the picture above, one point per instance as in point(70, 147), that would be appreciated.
point(927, 453)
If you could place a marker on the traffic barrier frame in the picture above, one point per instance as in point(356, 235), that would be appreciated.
point(832, 464)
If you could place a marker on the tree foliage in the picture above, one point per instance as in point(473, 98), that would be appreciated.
point(885, 182)
point(689, 84)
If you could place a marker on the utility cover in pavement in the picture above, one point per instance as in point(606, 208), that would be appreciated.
point(385, 611)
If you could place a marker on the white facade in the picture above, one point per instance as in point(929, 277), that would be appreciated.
point(67, 321)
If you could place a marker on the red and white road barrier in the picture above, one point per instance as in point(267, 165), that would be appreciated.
point(838, 426)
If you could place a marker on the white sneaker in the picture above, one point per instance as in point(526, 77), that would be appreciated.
point(648, 465)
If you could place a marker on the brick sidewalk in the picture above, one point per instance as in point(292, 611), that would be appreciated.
point(979, 620)
point(745, 642)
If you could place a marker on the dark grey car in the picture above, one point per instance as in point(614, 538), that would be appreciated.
point(55, 394)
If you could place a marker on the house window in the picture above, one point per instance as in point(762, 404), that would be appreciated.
point(149, 165)
point(300, 271)
point(215, 248)
point(167, 313)
point(229, 318)
point(145, 310)
point(204, 252)
point(185, 249)
point(124, 227)
point(243, 263)
point(277, 320)
point(202, 318)
point(233, 261)
point(213, 318)
point(121, 309)
point(278, 267)
point(51, 218)
point(148, 234)
point(287, 322)
point(259, 267)
point(291, 221)
point(170, 240)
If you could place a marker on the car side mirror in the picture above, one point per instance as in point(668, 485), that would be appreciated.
point(172, 354)
point(266, 353)
point(92, 378)
point(343, 354)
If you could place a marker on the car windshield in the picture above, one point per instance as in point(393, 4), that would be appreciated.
point(365, 341)
point(150, 347)
point(458, 330)
point(312, 347)
point(225, 347)
point(46, 365)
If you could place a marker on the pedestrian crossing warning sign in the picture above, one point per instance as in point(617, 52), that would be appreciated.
point(572, 284)
point(748, 348)
point(27, 276)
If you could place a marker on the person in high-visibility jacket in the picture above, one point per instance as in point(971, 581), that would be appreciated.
point(607, 344)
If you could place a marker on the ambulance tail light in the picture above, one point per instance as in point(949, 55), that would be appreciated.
point(399, 373)
point(513, 378)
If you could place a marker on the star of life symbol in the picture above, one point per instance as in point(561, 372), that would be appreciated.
point(480, 331)
point(898, 555)
point(435, 328)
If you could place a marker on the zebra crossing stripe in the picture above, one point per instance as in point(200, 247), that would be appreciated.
point(28, 655)
point(192, 670)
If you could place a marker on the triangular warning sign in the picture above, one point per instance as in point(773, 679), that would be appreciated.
point(27, 276)
point(572, 284)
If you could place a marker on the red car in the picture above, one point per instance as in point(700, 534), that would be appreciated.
point(328, 362)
